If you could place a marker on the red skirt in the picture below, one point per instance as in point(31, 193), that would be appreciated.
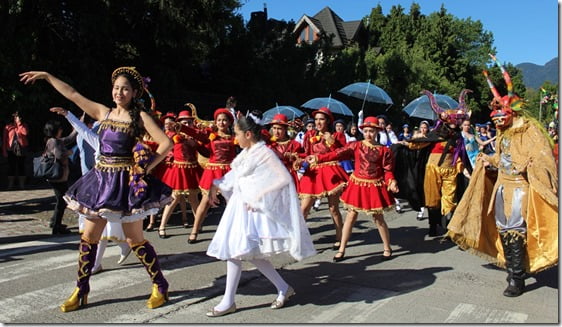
point(295, 179)
point(322, 180)
point(183, 177)
point(211, 172)
point(160, 169)
point(368, 195)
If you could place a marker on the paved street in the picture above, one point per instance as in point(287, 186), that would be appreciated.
point(427, 281)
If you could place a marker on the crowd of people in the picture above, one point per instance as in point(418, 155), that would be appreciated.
point(271, 173)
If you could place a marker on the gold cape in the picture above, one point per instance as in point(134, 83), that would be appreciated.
point(473, 225)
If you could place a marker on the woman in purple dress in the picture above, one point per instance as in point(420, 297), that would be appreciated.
point(119, 188)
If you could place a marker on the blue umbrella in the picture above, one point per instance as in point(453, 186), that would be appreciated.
point(335, 106)
point(366, 92)
point(421, 108)
point(289, 111)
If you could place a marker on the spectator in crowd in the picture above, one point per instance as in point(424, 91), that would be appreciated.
point(57, 146)
point(352, 133)
point(405, 135)
point(14, 148)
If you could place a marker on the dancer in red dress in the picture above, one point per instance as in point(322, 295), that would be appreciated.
point(184, 174)
point(285, 148)
point(369, 184)
point(326, 179)
point(222, 150)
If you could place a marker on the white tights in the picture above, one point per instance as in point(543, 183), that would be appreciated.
point(101, 250)
point(233, 272)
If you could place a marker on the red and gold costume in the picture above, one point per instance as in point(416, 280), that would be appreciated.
point(287, 152)
point(184, 173)
point(367, 188)
point(326, 178)
point(221, 149)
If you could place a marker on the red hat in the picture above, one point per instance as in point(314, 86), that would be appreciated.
point(223, 111)
point(371, 122)
point(280, 119)
point(169, 114)
point(325, 111)
point(185, 114)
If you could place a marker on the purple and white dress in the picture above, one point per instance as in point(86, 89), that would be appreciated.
point(104, 191)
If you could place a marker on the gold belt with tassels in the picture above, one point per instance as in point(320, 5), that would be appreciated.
point(114, 163)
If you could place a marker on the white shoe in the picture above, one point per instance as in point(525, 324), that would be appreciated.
point(97, 269)
point(398, 208)
point(420, 213)
point(124, 257)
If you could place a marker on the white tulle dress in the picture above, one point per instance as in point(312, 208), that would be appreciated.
point(262, 216)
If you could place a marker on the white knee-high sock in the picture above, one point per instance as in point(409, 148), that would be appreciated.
point(124, 246)
point(233, 272)
point(267, 269)
point(101, 250)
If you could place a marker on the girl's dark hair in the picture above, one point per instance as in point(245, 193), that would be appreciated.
point(135, 108)
point(358, 136)
point(231, 102)
point(246, 124)
point(51, 128)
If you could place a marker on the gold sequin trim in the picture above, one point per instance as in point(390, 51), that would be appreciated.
point(324, 164)
point(186, 164)
point(214, 166)
point(113, 163)
point(366, 181)
point(370, 145)
point(376, 211)
point(115, 125)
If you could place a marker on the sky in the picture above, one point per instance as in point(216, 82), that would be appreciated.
point(524, 30)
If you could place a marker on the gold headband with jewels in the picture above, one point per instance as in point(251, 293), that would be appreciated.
point(133, 73)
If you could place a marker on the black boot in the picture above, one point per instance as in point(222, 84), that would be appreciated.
point(516, 284)
point(504, 237)
point(434, 218)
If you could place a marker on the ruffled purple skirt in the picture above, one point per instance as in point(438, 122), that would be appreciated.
point(101, 194)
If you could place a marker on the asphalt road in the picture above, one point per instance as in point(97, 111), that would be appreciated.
point(428, 280)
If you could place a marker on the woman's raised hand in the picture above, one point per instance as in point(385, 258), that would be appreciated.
point(31, 77)
point(59, 110)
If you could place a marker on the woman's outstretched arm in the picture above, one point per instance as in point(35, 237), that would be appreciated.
point(94, 109)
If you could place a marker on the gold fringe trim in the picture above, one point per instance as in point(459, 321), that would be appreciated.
point(370, 145)
point(336, 190)
point(215, 166)
point(324, 164)
point(186, 164)
point(366, 181)
point(374, 211)
point(114, 125)
point(114, 163)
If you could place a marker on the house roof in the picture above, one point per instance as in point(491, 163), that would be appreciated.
point(326, 20)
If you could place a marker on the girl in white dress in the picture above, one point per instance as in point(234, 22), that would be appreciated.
point(262, 217)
